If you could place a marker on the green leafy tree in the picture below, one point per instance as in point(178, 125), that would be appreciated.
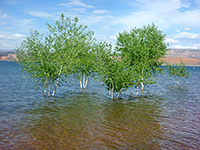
point(51, 57)
point(85, 58)
point(177, 71)
point(71, 42)
point(113, 71)
point(85, 68)
point(143, 47)
point(36, 59)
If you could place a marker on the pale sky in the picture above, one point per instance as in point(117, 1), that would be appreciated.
point(179, 19)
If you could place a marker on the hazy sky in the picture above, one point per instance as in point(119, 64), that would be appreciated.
point(179, 19)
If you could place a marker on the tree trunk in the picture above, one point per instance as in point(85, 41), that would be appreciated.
point(137, 91)
point(57, 81)
point(178, 81)
point(49, 89)
point(45, 90)
point(109, 92)
point(112, 92)
point(84, 80)
point(118, 94)
point(81, 85)
point(142, 85)
point(55, 87)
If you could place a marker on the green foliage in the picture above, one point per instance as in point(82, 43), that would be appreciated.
point(143, 48)
point(70, 41)
point(68, 48)
point(35, 57)
point(177, 71)
point(113, 71)
point(60, 52)
point(85, 57)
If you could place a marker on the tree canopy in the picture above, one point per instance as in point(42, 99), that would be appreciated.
point(70, 49)
point(177, 71)
point(143, 48)
point(46, 57)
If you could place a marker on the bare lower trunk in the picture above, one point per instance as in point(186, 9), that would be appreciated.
point(137, 91)
point(86, 82)
point(142, 93)
point(142, 85)
point(57, 81)
point(83, 80)
point(109, 92)
point(112, 92)
point(49, 90)
point(81, 85)
point(55, 87)
point(178, 82)
point(118, 94)
point(45, 90)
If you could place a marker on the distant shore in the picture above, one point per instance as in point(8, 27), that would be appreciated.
point(9, 57)
point(185, 60)
point(189, 57)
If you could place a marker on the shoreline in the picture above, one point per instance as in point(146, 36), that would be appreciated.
point(187, 65)
point(187, 61)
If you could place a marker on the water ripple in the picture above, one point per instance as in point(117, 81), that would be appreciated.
point(165, 116)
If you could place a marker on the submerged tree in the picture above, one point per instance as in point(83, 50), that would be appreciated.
point(177, 71)
point(85, 59)
point(113, 71)
point(72, 47)
point(69, 48)
point(52, 56)
point(143, 47)
point(84, 68)
point(36, 59)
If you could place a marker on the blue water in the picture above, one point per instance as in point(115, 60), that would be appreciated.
point(165, 116)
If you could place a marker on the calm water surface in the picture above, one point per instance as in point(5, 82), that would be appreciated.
point(166, 116)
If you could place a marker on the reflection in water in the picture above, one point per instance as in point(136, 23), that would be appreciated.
point(165, 117)
point(88, 123)
point(182, 123)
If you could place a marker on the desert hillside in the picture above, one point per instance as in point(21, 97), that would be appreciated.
point(186, 60)
point(7, 55)
point(190, 57)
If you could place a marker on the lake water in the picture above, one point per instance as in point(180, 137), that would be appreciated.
point(166, 116)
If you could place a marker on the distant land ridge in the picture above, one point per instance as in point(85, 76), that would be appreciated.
point(7, 55)
point(191, 53)
point(190, 57)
